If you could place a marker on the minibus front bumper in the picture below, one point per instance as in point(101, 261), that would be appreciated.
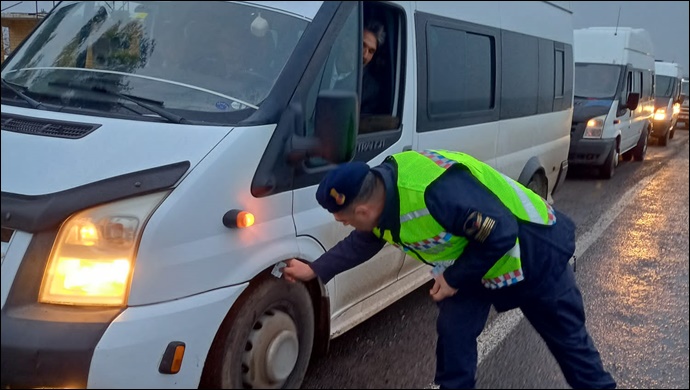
point(51, 346)
point(592, 152)
point(42, 350)
point(661, 127)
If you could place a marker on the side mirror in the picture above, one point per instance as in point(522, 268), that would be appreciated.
point(336, 125)
point(681, 99)
point(633, 100)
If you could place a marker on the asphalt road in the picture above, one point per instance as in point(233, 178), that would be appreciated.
point(632, 247)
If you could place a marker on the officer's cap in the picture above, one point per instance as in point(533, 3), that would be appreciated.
point(341, 185)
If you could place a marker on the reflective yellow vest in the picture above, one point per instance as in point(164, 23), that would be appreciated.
point(426, 240)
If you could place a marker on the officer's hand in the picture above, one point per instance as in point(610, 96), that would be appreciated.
point(441, 289)
point(296, 270)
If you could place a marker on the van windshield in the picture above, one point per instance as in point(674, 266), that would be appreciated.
point(664, 86)
point(204, 61)
point(596, 81)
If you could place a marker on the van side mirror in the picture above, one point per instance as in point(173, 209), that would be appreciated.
point(633, 100)
point(681, 99)
point(336, 125)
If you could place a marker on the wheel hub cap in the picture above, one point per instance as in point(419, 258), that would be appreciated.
point(272, 350)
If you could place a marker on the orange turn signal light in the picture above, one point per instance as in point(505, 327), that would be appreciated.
point(238, 219)
point(245, 219)
point(171, 363)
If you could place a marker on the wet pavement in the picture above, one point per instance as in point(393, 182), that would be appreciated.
point(633, 273)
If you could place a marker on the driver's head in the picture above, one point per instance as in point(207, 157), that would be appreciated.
point(373, 37)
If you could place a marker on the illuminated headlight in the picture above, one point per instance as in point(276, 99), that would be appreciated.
point(93, 255)
point(660, 114)
point(676, 109)
point(595, 127)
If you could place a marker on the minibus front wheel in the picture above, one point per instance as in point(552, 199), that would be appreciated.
point(266, 340)
point(538, 183)
point(607, 169)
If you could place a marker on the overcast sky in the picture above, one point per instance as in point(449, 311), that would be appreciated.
point(666, 21)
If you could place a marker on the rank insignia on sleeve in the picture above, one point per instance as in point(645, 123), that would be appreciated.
point(479, 226)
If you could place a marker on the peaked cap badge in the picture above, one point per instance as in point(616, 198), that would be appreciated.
point(339, 198)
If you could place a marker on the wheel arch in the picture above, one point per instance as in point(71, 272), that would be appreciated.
point(309, 250)
point(534, 167)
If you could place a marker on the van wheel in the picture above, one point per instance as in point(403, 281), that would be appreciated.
point(607, 170)
point(266, 340)
point(640, 150)
point(537, 183)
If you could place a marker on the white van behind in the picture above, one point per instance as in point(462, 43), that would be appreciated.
point(667, 100)
point(683, 114)
point(160, 158)
point(614, 99)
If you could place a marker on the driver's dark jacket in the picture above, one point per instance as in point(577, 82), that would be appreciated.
point(545, 250)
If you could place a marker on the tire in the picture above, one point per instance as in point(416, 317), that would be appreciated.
point(640, 150)
point(673, 132)
point(607, 169)
point(538, 184)
point(266, 340)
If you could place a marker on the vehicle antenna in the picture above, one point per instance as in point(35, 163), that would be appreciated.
point(617, 21)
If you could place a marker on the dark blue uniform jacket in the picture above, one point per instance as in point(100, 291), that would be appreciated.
point(453, 200)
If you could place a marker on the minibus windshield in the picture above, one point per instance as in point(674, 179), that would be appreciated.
point(196, 60)
point(664, 86)
point(596, 81)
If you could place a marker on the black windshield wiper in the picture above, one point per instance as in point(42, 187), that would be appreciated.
point(33, 103)
point(163, 113)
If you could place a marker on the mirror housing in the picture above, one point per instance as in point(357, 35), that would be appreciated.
point(336, 125)
point(681, 99)
point(633, 100)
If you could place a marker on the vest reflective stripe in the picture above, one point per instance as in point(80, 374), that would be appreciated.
point(528, 201)
point(529, 207)
point(412, 215)
point(506, 271)
point(432, 245)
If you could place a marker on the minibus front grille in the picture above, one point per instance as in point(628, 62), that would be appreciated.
point(46, 127)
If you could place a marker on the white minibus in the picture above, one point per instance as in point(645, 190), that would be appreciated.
point(160, 158)
point(667, 100)
point(614, 97)
point(683, 114)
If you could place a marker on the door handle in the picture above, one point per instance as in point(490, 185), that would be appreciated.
point(407, 148)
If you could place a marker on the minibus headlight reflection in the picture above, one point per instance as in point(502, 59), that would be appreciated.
point(676, 108)
point(660, 114)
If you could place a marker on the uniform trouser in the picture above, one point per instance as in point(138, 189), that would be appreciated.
point(559, 318)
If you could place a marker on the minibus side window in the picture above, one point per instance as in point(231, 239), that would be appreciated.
point(647, 84)
point(628, 87)
point(343, 70)
point(559, 84)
